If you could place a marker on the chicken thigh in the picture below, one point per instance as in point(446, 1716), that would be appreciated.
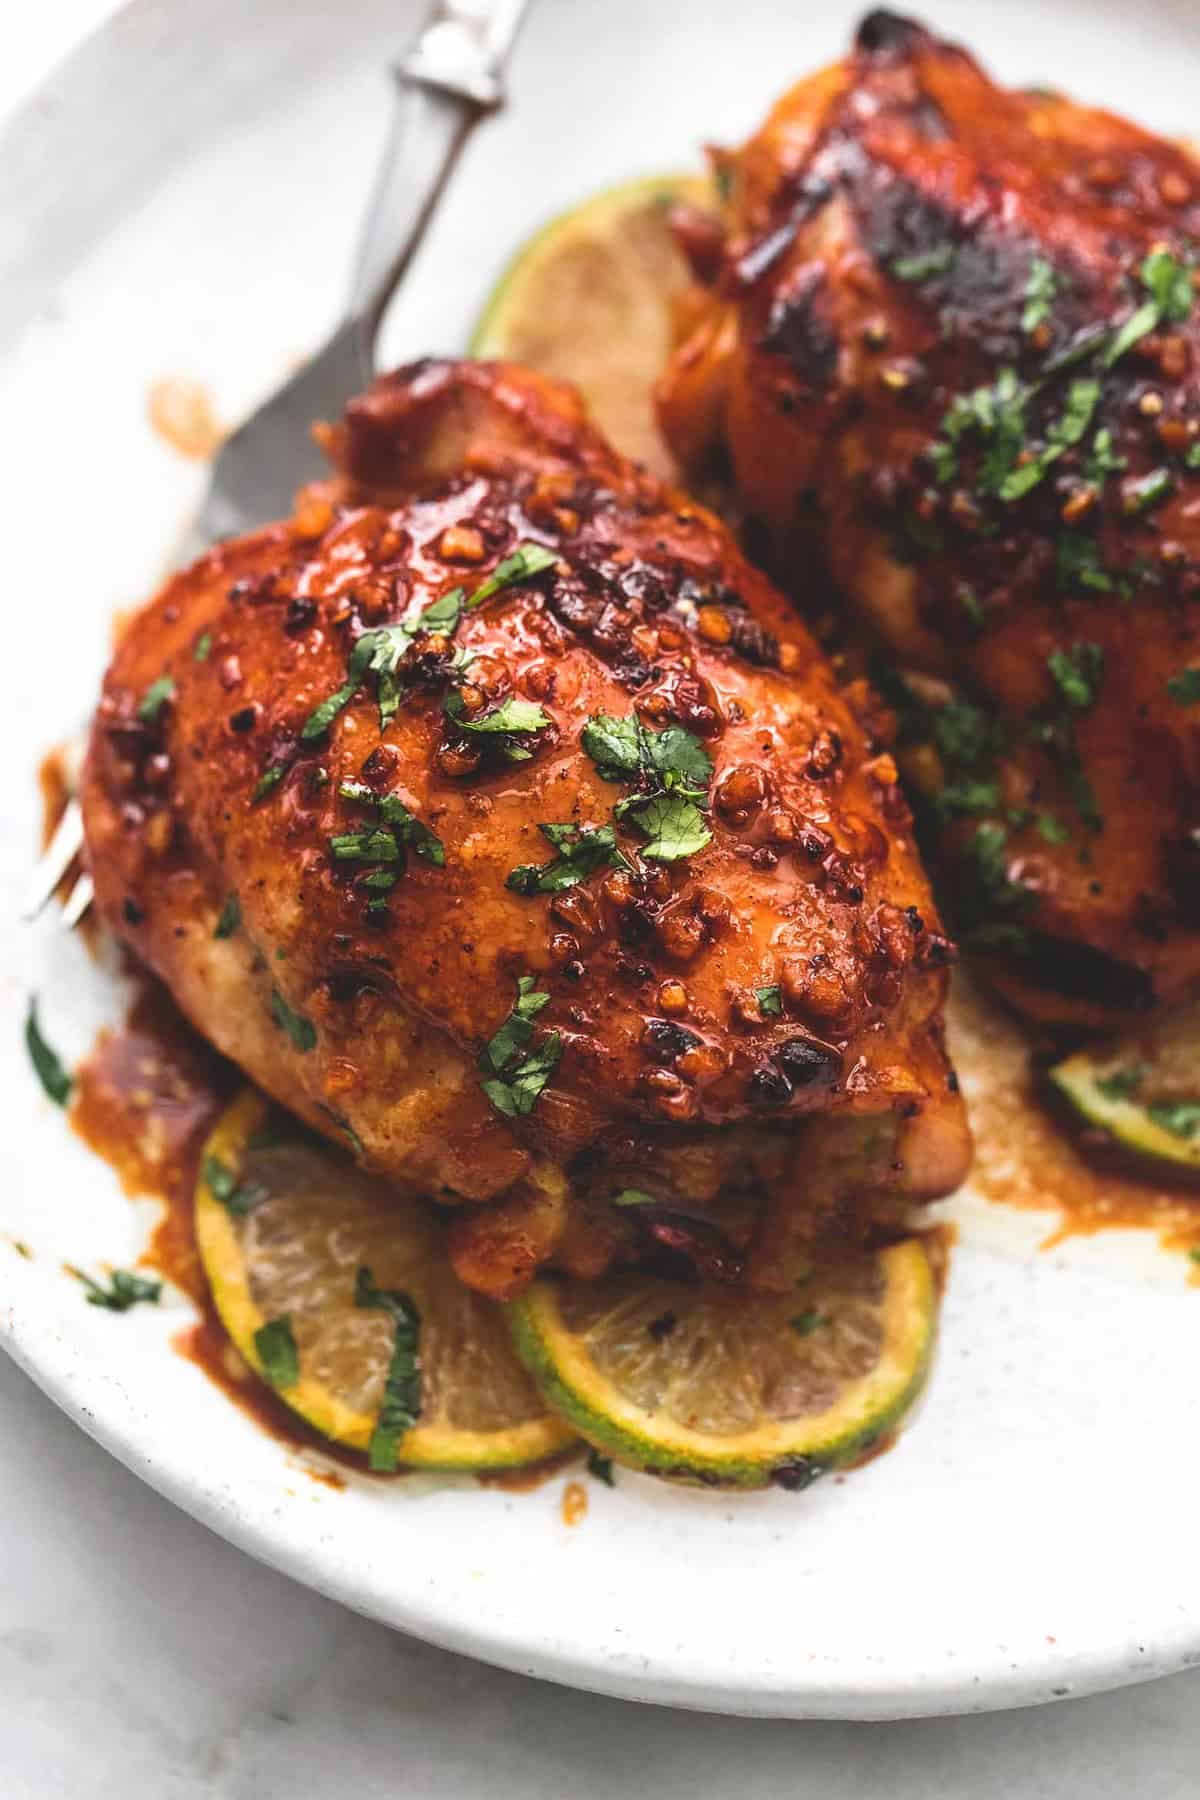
point(503, 822)
point(949, 349)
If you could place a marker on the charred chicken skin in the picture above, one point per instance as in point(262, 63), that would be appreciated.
point(497, 817)
point(950, 344)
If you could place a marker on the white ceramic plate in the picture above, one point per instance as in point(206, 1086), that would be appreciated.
point(181, 199)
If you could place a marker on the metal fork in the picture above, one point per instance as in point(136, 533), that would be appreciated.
point(448, 81)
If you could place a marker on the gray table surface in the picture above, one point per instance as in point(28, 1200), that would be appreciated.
point(140, 1655)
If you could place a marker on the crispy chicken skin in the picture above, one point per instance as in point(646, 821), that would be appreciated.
point(950, 347)
point(754, 1124)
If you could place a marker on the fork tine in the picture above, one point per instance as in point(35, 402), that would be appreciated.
point(55, 860)
point(78, 901)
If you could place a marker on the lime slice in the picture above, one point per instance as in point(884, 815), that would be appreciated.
point(284, 1226)
point(590, 299)
point(1144, 1091)
point(709, 1385)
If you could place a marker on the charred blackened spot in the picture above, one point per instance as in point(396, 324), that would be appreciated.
point(666, 1041)
point(244, 719)
point(888, 33)
point(769, 1086)
point(797, 330)
point(761, 257)
point(808, 1063)
point(300, 614)
point(793, 1477)
point(131, 912)
point(661, 1328)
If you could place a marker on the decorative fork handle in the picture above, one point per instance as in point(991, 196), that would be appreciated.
point(448, 81)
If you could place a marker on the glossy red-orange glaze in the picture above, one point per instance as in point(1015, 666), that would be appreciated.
point(884, 228)
point(672, 1077)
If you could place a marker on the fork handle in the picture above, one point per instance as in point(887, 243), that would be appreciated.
point(447, 82)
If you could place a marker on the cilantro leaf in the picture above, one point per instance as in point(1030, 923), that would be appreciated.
point(203, 647)
point(601, 1467)
point(810, 1320)
point(1148, 491)
point(299, 1030)
point(1122, 1084)
point(1169, 285)
point(1180, 1117)
point(581, 851)
point(526, 561)
point(634, 1197)
point(229, 918)
point(237, 1197)
point(614, 745)
point(924, 263)
point(1185, 687)
point(969, 797)
point(400, 1407)
point(55, 1080)
point(155, 698)
point(1077, 564)
point(674, 827)
point(1041, 290)
point(502, 727)
point(1077, 672)
point(276, 1348)
point(125, 1289)
point(514, 1079)
point(770, 1000)
point(1052, 830)
point(270, 778)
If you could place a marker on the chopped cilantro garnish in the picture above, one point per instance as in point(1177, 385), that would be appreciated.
point(1148, 491)
point(515, 1073)
point(1040, 292)
point(229, 918)
point(155, 698)
point(125, 1289)
point(400, 1407)
point(924, 263)
point(277, 1352)
point(1121, 1084)
point(1077, 564)
point(770, 1000)
point(1052, 830)
point(672, 769)
point(384, 843)
point(1192, 456)
point(1185, 687)
point(973, 607)
point(526, 561)
point(969, 797)
point(237, 1197)
point(674, 827)
point(581, 850)
point(203, 647)
point(1104, 459)
point(1065, 432)
point(634, 1197)
point(501, 729)
point(269, 779)
point(1076, 673)
point(810, 1320)
point(56, 1082)
point(299, 1030)
point(1168, 283)
point(601, 1467)
point(965, 735)
point(1180, 1117)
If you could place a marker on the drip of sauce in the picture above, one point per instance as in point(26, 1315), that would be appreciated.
point(182, 415)
point(1025, 1158)
point(574, 1503)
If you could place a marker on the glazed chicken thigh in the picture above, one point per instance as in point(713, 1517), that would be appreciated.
point(503, 822)
point(949, 348)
